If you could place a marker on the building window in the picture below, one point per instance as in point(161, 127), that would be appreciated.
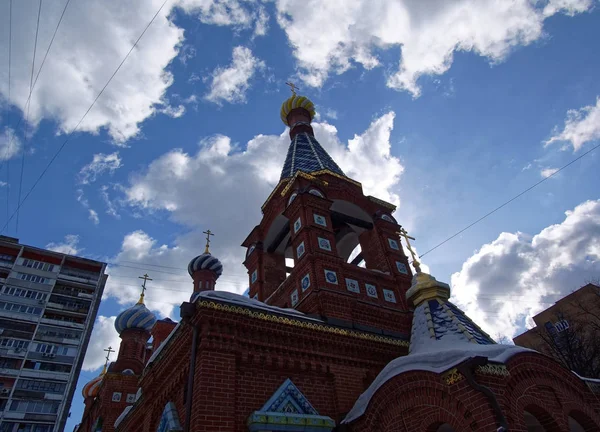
point(33, 278)
point(37, 407)
point(371, 290)
point(562, 325)
point(25, 427)
point(316, 192)
point(41, 386)
point(18, 308)
point(14, 344)
point(25, 293)
point(254, 276)
point(38, 265)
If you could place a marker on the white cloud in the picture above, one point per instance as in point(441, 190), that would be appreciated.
point(69, 246)
point(526, 167)
point(547, 172)
point(103, 336)
point(100, 164)
point(511, 279)
point(173, 111)
point(93, 216)
point(222, 187)
point(581, 126)
point(93, 38)
point(111, 205)
point(231, 83)
point(2, 184)
point(10, 144)
point(240, 14)
point(327, 38)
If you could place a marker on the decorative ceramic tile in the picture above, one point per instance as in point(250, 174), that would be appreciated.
point(324, 244)
point(294, 298)
point(116, 397)
point(331, 277)
point(305, 282)
point(300, 250)
point(393, 244)
point(297, 225)
point(352, 285)
point(389, 295)
point(254, 276)
point(320, 220)
point(401, 267)
point(371, 290)
point(130, 397)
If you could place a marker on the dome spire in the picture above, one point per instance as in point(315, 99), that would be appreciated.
point(208, 234)
point(108, 351)
point(146, 278)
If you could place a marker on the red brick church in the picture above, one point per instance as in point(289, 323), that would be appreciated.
point(335, 343)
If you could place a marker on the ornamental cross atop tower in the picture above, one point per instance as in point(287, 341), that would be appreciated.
point(146, 278)
point(404, 234)
point(208, 234)
point(293, 87)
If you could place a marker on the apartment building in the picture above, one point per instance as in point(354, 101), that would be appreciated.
point(48, 305)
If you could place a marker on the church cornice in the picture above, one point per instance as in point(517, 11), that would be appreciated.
point(305, 324)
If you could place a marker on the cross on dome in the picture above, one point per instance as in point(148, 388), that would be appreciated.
point(146, 278)
point(416, 263)
point(208, 234)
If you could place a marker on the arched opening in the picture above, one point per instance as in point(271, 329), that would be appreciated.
point(580, 422)
point(349, 222)
point(532, 423)
point(538, 420)
point(440, 427)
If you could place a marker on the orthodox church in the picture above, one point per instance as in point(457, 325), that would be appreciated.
point(335, 343)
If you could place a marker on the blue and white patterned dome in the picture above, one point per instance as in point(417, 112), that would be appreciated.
point(206, 262)
point(136, 317)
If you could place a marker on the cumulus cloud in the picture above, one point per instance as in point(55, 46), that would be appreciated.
point(240, 14)
point(508, 281)
point(103, 336)
point(10, 144)
point(231, 83)
point(69, 246)
point(93, 38)
point(329, 39)
point(547, 172)
point(222, 187)
point(581, 126)
point(100, 164)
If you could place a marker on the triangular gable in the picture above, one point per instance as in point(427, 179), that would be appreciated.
point(288, 399)
point(289, 410)
point(169, 421)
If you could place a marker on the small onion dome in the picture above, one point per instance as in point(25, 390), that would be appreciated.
point(136, 317)
point(296, 101)
point(206, 262)
point(91, 389)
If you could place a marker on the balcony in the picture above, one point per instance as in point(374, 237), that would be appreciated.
point(50, 357)
point(61, 323)
point(9, 371)
point(58, 340)
point(75, 310)
point(13, 352)
point(32, 373)
point(79, 276)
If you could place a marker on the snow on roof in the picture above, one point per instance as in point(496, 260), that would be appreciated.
point(437, 357)
point(123, 415)
point(592, 380)
point(241, 300)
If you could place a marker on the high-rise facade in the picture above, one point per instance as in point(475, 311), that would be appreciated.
point(48, 305)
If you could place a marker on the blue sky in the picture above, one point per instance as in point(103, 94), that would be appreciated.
point(446, 109)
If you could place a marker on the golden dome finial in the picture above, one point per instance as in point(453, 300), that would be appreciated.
point(415, 262)
point(292, 87)
point(296, 101)
point(146, 278)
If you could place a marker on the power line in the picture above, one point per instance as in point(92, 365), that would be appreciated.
point(8, 109)
point(23, 150)
point(509, 201)
point(42, 64)
point(70, 134)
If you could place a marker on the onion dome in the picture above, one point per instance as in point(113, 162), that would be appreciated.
point(136, 317)
point(92, 388)
point(296, 101)
point(206, 262)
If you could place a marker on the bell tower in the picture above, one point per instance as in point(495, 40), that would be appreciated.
point(323, 247)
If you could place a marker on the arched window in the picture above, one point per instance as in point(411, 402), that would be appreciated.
point(538, 420)
point(445, 428)
point(580, 422)
point(574, 425)
point(532, 423)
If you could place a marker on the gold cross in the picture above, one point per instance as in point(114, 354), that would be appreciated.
point(208, 234)
point(108, 351)
point(415, 262)
point(146, 278)
point(293, 87)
